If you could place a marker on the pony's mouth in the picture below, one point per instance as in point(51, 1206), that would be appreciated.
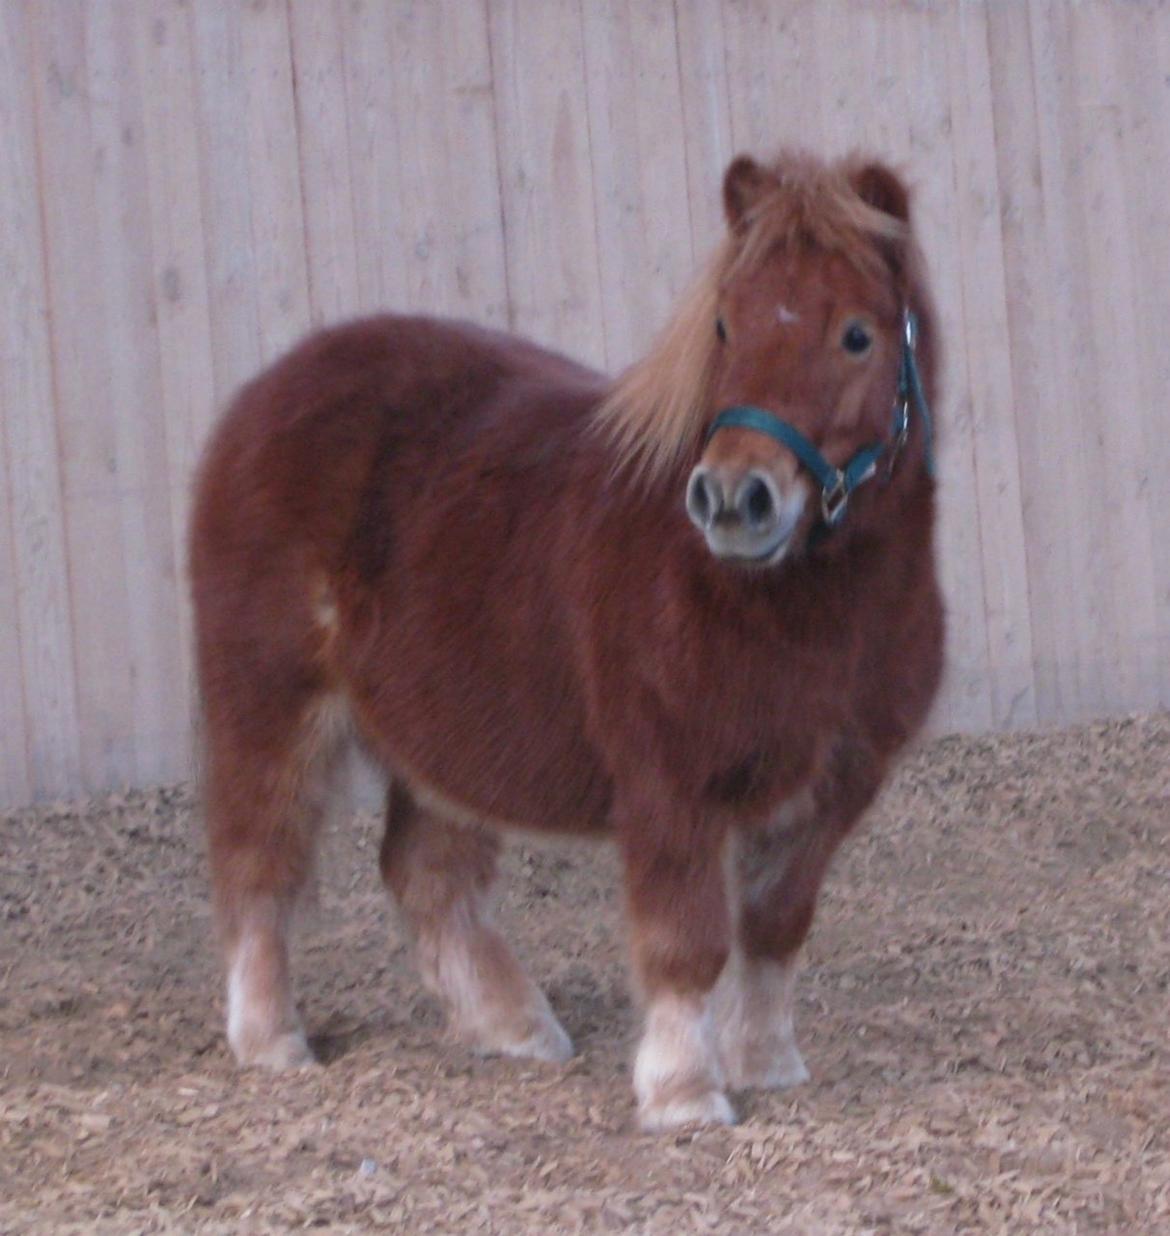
point(751, 557)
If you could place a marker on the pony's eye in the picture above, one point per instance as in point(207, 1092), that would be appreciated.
point(721, 330)
point(856, 340)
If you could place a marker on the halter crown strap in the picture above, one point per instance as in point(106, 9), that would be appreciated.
point(838, 483)
point(910, 386)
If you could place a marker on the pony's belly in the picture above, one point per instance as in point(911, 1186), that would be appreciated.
point(519, 807)
point(442, 803)
point(477, 765)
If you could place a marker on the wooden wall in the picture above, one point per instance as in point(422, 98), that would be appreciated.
point(187, 185)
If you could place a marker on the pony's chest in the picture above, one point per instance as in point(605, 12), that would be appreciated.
point(756, 701)
point(743, 728)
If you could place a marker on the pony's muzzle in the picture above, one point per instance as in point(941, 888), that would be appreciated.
point(742, 515)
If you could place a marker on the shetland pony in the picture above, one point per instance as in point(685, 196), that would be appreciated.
point(694, 609)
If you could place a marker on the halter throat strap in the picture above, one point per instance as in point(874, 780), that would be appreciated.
point(837, 484)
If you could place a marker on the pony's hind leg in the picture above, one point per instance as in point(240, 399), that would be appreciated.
point(265, 801)
point(440, 875)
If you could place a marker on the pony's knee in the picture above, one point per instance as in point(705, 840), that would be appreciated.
point(681, 958)
point(255, 881)
point(775, 931)
point(679, 913)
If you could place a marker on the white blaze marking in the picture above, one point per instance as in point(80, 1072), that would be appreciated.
point(786, 316)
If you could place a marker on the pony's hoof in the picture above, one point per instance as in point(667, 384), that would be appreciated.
point(282, 1053)
point(546, 1040)
point(705, 1107)
point(770, 1066)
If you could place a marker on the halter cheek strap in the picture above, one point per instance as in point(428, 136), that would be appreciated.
point(837, 484)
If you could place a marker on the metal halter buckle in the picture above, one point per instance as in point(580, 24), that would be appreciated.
point(900, 436)
point(834, 500)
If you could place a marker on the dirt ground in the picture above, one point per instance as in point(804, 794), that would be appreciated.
point(984, 1012)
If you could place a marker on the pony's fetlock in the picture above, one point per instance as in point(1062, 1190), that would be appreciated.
point(280, 1052)
point(756, 1041)
point(677, 1074)
point(685, 1107)
point(263, 1026)
point(535, 1035)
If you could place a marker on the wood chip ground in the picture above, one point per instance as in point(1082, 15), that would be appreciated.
point(984, 1011)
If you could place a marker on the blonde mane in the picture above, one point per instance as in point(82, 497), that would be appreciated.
point(659, 404)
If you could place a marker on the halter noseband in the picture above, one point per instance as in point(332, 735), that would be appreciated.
point(837, 484)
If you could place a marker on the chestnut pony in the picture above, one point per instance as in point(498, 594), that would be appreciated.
point(694, 609)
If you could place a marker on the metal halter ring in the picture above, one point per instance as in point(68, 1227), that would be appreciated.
point(834, 500)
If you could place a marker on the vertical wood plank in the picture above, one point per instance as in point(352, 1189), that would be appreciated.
point(768, 48)
point(1072, 447)
point(158, 684)
point(418, 68)
point(639, 169)
point(19, 238)
point(1118, 470)
point(987, 345)
point(39, 751)
point(1143, 43)
point(424, 176)
point(277, 220)
point(448, 184)
point(163, 57)
point(475, 206)
point(372, 123)
point(253, 223)
point(323, 150)
point(1047, 508)
point(854, 79)
point(105, 657)
point(546, 181)
point(706, 116)
point(226, 172)
point(15, 730)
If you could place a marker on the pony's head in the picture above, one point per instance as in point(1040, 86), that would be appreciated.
point(783, 373)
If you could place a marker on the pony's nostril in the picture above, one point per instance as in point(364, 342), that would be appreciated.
point(704, 500)
point(755, 502)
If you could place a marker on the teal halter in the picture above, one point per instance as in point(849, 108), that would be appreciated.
point(837, 484)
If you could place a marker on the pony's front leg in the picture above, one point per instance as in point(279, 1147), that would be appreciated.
point(778, 873)
point(681, 933)
point(754, 1006)
point(774, 881)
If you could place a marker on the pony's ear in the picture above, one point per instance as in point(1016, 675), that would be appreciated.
point(883, 190)
point(743, 186)
point(881, 187)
